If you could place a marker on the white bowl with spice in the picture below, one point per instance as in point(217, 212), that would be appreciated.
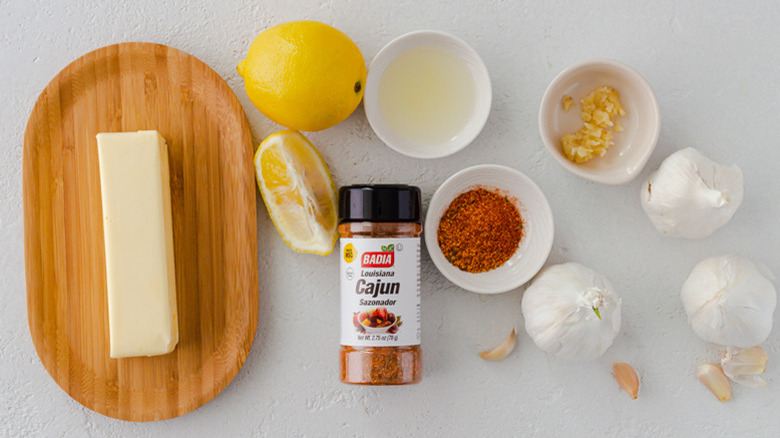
point(633, 135)
point(472, 234)
point(428, 94)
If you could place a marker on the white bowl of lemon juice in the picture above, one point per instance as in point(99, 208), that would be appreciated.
point(428, 94)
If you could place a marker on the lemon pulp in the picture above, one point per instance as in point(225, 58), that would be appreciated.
point(298, 191)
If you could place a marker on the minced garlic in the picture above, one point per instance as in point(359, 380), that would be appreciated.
point(567, 102)
point(599, 109)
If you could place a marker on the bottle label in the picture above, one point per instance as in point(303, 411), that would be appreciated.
point(380, 292)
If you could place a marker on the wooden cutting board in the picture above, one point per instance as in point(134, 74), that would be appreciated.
point(128, 87)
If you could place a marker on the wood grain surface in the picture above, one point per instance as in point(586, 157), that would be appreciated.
point(127, 87)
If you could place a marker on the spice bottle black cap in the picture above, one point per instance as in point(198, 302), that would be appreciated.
point(380, 203)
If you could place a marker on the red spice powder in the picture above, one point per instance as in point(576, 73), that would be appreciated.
point(480, 230)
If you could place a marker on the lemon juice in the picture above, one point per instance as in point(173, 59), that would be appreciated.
point(427, 95)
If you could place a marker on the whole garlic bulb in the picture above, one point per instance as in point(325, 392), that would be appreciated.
point(690, 195)
point(730, 301)
point(571, 312)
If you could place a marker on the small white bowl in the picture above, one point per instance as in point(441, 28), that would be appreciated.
point(452, 45)
point(538, 228)
point(642, 123)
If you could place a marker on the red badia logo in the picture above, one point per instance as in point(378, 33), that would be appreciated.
point(377, 259)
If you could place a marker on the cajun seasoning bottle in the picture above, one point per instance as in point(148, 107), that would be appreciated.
point(380, 228)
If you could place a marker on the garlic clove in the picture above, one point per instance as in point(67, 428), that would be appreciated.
point(744, 365)
point(751, 360)
point(713, 378)
point(627, 379)
point(502, 350)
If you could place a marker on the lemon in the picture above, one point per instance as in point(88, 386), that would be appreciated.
point(304, 75)
point(298, 191)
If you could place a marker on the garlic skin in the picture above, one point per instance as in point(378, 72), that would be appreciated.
point(690, 195)
point(744, 366)
point(730, 301)
point(571, 312)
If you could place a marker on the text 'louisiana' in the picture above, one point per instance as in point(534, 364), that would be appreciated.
point(378, 288)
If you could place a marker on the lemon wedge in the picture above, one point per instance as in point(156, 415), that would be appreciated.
point(298, 191)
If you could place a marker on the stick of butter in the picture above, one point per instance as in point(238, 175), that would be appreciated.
point(137, 226)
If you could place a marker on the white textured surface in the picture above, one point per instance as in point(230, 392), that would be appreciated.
point(715, 68)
